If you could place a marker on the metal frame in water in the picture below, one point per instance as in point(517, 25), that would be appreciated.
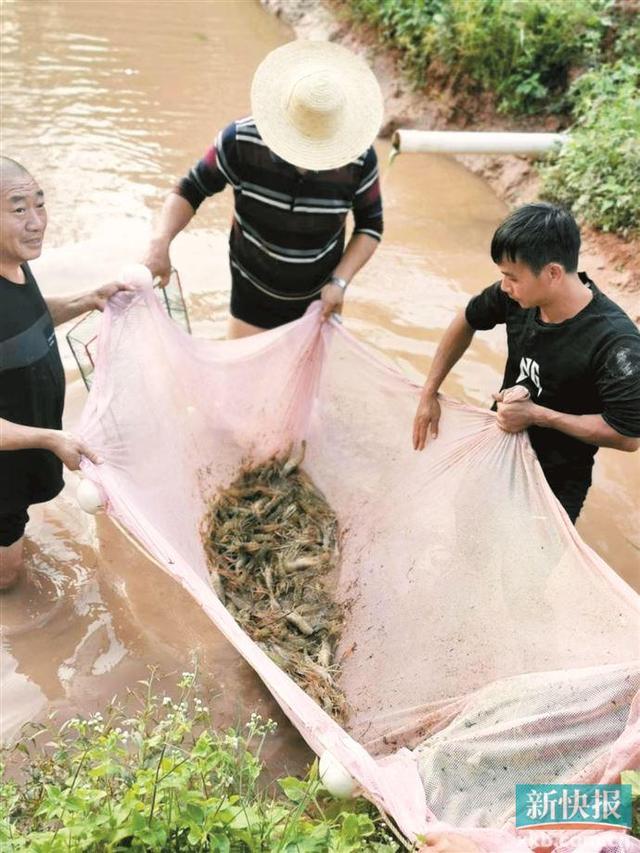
point(83, 336)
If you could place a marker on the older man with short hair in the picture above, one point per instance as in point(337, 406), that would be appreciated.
point(33, 445)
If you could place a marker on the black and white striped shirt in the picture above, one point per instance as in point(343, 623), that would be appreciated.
point(288, 230)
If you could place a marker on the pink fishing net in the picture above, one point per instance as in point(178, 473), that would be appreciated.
point(486, 645)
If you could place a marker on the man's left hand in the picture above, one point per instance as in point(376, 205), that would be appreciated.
point(332, 297)
point(516, 411)
point(103, 294)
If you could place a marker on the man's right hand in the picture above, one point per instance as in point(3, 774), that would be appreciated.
point(426, 420)
point(70, 449)
point(158, 261)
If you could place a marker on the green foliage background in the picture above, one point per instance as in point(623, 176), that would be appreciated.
point(632, 777)
point(597, 172)
point(522, 50)
point(527, 53)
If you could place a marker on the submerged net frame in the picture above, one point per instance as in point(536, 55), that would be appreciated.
point(82, 337)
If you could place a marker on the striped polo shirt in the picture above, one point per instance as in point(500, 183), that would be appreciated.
point(288, 230)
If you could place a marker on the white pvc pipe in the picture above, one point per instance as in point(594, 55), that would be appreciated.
point(474, 142)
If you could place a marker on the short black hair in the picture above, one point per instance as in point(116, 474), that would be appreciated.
point(536, 235)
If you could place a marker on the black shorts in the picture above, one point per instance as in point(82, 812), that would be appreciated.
point(572, 507)
point(252, 305)
point(12, 527)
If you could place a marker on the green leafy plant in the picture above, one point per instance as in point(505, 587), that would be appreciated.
point(521, 50)
point(632, 777)
point(527, 53)
point(597, 172)
point(161, 779)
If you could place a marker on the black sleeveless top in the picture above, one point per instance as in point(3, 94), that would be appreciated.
point(31, 392)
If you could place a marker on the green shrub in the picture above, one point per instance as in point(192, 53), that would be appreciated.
point(403, 24)
point(632, 777)
point(624, 36)
point(163, 780)
point(522, 50)
point(526, 52)
point(597, 172)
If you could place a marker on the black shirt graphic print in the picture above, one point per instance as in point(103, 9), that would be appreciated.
point(588, 364)
point(32, 388)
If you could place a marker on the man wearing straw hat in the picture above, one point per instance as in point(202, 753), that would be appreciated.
point(297, 166)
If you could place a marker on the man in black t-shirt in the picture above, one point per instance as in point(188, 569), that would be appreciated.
point(33, 445)
point(573, 354)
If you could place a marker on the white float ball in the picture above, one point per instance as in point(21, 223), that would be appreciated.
point(335, 778)
point(136, 274)
point(90, 496)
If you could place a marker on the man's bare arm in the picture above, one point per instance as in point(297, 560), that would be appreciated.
point(454, 344)
point(174, 217)
point(67, 447)
point(592, 429)
point(358, 251)
point(63, 308)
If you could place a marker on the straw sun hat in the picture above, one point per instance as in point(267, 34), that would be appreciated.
point(316, 104)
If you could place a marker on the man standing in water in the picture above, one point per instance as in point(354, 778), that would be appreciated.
point(572, 377)
point(33, 446)
point(297, 166)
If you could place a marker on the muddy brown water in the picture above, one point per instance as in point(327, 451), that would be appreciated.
point(107, 104)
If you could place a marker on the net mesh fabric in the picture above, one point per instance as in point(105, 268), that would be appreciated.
point(485, 643)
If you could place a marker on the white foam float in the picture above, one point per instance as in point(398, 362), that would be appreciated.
point(90, 496)
point(335, 778)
